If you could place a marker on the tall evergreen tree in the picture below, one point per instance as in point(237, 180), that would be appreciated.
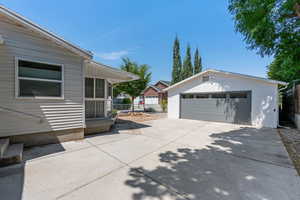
point(177, 65)
point(187, 69)
point(197, 62)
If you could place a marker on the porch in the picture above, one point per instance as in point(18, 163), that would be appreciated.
point(99, 80)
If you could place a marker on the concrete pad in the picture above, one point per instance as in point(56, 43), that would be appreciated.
point(170, 130)
point(51, 177)
point(169, 159)
point(259, 144)
point(132, 148)
point(205, 174)
point(124, 185)
point(107, 138)
point(44, 151)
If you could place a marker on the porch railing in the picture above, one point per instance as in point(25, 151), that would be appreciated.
point(97, 108)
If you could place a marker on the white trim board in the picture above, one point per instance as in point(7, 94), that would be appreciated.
point(226, 73)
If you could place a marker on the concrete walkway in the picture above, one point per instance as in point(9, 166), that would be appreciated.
point(162, 159)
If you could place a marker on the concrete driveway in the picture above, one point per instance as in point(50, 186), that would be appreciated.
point(162, 159)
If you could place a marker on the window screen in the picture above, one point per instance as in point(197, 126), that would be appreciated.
point(100, 91)
point(29, 88)
point(38, 70)
point(89, 87)
point(109, 89)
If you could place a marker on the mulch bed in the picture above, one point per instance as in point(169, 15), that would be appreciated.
point(291, 140)
point(138, 117)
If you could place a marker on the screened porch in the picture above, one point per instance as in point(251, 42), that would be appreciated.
point(99, 79)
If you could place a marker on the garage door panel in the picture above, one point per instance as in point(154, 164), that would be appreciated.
point(235, 110)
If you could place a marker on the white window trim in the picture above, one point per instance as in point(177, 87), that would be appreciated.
point(106, 99)
point(17, 78)
point(94, 98)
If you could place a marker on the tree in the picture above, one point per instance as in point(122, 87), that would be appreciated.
point(187, 69)
point(134, 88)
point(177, 65)
point(197, 62)
point(272, 28)
point(283, 68)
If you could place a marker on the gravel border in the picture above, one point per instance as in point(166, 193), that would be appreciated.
point(291, 141)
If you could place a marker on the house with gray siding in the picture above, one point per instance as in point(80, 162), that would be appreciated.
point(49, 87)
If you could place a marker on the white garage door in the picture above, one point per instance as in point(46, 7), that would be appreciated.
point(151, 100)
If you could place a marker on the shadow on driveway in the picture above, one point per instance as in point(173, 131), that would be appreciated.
point(247, 163)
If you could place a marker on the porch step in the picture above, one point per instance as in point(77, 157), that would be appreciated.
point(3, 146)
point(12, 155)
point(98, 126)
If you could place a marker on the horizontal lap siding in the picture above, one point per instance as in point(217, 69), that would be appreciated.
point(56, 114)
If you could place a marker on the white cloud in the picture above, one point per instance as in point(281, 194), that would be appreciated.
point(116, 55)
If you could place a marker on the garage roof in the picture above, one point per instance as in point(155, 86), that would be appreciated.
point(226, 73)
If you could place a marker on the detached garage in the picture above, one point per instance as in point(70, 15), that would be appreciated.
point(221, 96)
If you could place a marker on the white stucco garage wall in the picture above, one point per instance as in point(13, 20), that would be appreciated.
point(264, 97)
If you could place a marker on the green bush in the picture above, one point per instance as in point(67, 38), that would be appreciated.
point(150, 110)
point(164, 105)
point(113, 113)
point(126, 101)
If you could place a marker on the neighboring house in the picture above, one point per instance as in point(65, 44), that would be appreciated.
point(215, 95)
point(120, 98)
point(49, 88)
point(154, 94)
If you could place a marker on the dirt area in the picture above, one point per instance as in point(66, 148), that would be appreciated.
point(139, 117)
point(131, 123)
point(291, 140)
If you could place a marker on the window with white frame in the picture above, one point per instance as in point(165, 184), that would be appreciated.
point(94, 88)
point(36, 79)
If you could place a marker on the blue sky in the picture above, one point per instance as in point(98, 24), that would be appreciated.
point(144, 31)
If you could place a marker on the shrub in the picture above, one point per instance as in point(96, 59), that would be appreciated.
point(164, 105)
point(150, 110)
point(126, 101)
point(113, 113)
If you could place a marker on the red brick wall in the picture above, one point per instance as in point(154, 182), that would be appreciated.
point(150, 92)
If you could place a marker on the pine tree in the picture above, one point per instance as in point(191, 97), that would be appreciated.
point(197, 62)
point(187, 64)
point(177, 65)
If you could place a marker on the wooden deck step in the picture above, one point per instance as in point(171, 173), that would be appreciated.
point(3, 146)
point(12, 155)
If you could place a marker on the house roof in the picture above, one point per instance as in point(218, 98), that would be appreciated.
point(151, 86)
point(115, 75)
point(167, 83)
point(45, 33)
point(226, 73)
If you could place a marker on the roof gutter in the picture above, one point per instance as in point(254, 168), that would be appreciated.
point(115, 70)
